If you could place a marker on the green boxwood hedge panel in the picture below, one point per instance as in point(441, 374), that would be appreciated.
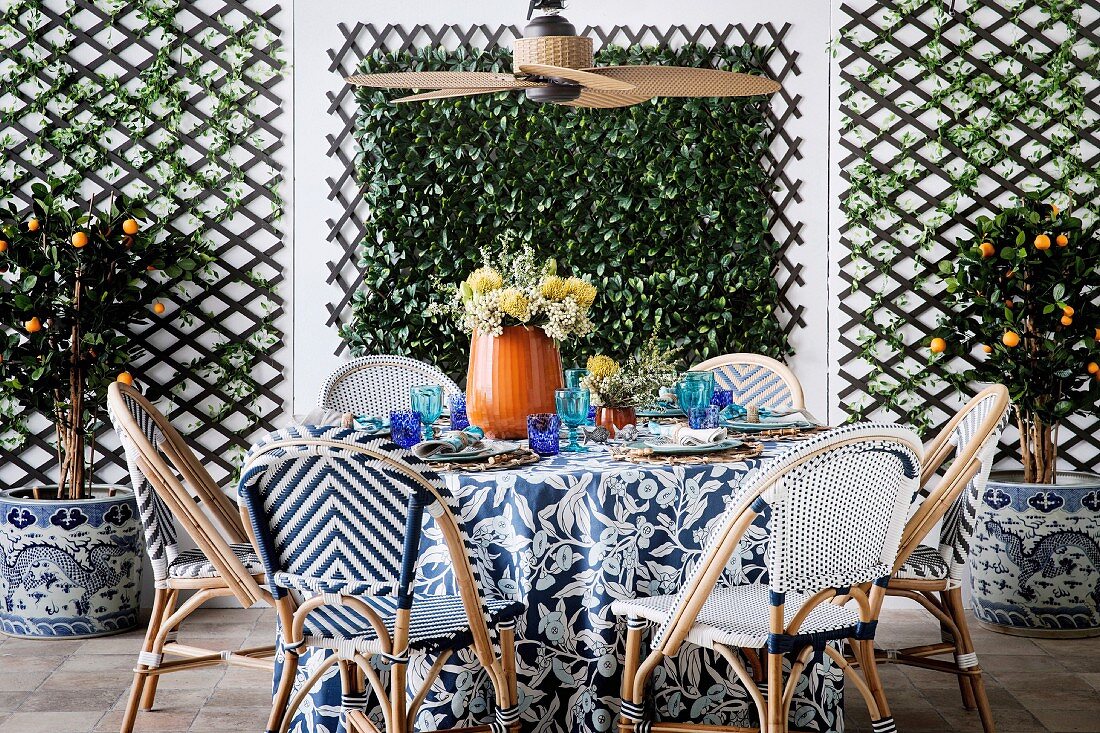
point(664, 205)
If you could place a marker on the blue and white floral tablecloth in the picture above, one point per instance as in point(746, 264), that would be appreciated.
point(569, 535)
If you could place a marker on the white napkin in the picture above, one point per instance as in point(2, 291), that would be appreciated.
point(451, 441)
point(680, 435)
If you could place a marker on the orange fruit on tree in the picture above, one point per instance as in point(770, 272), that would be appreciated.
point(158, 308)
point(33, 225)
point(80, 239)
point(987, 250)
point(987, 348)
point(937, 346)
point(3, 246)
point(1062, 240)
point(1066, 321)
point(130, 226)
point(1042, 241)
point(1068, 311)
point(1097, 336)
point(33, 325)
point(1093, 367)
point(1011, 339)
point(125, 378)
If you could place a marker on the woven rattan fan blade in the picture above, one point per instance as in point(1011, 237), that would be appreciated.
point(448, 93)
point(441, 80)
point(684, 81)
point(584, 78)
point(599, 99)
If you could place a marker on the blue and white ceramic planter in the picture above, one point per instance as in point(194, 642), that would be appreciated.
point(1035, 560)
point(69, 568)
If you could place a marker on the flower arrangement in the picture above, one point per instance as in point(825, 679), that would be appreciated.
point(529, 294)
point(1023, 311)
point(636, 382)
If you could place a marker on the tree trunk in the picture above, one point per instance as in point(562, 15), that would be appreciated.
point(1038, 448)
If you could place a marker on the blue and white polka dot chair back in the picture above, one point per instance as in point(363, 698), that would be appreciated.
point(377, 385)
point(838, 504)
point(337, 510)
point(957, 528)
point(756, 380)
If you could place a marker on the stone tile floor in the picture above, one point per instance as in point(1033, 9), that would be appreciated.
point(80, 686)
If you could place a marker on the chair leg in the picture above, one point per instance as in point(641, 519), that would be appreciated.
point(141, 677)
point(869, 667)
point(777, 720)
point(149, 694)
point(398, 709)
point(964, 645)
point(634, 632)
point(281, 698)
point(508, 662)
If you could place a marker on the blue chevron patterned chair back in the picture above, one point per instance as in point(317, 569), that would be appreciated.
point(323, 512)
point(756, 380)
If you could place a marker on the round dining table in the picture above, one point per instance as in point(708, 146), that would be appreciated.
point(568, 535)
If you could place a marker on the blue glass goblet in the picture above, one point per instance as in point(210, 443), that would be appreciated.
point(573, 378)
point(405, 427)
point(544, 433)
point(427, 399)
point(693, 395)
point(457, 405)
point(704, 377)
point(573, 409)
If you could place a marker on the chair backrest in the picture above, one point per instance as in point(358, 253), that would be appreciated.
point(972, 436)
point(376, 385)
point(338, 507)
point(169, 481)
point(838, 506)
point(756, 380)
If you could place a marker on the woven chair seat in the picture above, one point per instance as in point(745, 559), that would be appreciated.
point(193, 564)
point(738, 617)
point(436, 623)
point(925, 563)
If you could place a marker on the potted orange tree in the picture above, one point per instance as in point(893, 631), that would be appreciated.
point(1023, 310)
point(73, 280)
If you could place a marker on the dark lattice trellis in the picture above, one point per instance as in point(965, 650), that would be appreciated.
point(363, 39)
point(217, 367)
point(919, 78)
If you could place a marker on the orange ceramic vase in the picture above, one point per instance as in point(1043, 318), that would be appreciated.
point(614, 418)
point(511, 376)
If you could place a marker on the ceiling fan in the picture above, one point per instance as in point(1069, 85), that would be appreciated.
point(552, 64)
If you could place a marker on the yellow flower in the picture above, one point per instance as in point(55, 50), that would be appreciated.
point(582, 292)
point(484, 280)
point(516, 304)
point(554, 288)
point(601, 366)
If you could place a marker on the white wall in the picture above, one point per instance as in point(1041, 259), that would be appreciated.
point(315, 28)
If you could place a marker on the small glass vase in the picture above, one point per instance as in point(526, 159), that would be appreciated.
point(544, 433)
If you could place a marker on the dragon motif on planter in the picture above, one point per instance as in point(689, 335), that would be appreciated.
point(23, 569)
point(1041, 560)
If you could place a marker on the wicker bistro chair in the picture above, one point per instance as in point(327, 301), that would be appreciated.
point(921, 571)
point(170, 482)
point(838, 506)
point(756, 379)
point(377, 385)
point(337, 516)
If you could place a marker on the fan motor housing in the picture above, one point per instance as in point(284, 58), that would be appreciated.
point(572, 52)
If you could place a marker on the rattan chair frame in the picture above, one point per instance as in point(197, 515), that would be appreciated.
point(798, 398)
point(356, 669)
point(773, 706)
point(358, 366)
point(212, 531)
point(943, 599)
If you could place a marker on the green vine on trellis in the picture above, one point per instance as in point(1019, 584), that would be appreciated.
point(99, 112)
point(972, 100)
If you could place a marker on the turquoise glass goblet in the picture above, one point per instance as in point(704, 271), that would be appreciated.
point(573, 378)
point(427, 399)
point(572, 407)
